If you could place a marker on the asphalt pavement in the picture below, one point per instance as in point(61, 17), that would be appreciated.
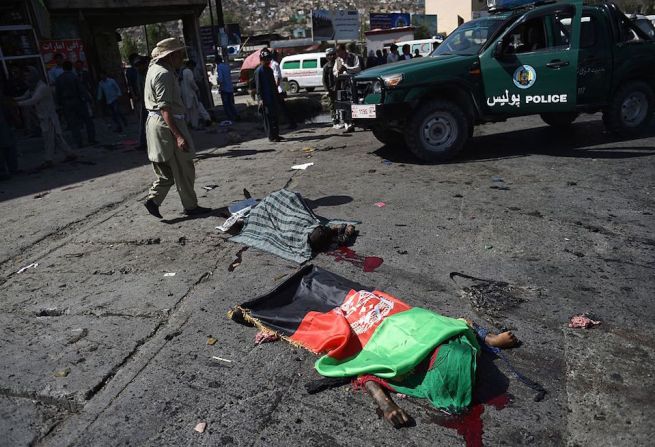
point(104, 337)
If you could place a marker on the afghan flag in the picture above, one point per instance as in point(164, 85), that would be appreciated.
point(360, 331)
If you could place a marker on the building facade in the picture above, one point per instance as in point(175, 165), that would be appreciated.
point(452, 13)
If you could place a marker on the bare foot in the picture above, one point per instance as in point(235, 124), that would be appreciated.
point(504, 340)
point(394, 415)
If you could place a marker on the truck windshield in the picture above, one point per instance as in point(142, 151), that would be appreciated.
point(469, 37)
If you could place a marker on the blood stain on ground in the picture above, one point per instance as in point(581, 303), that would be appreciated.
point(367, 263)
point(470, 425)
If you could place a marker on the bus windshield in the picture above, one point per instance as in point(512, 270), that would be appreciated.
point(469, 38)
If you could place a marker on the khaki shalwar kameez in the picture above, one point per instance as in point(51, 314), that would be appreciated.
point(171, 165)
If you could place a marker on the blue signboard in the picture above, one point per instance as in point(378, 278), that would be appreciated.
point(380, 20)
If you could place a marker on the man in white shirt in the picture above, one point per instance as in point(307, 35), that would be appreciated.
point(393, 54)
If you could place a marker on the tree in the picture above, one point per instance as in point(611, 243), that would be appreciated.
point(156, 33)
point(128, 46)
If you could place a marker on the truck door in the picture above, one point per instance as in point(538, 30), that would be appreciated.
point(530, 68)
point(595, 65)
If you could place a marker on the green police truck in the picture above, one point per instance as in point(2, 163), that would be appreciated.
point(554, 59)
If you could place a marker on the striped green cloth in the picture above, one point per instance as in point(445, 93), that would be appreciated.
point(281, 224)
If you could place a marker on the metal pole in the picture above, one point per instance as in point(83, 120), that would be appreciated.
point(211, 17)
point(220, 21)
point(145, 34)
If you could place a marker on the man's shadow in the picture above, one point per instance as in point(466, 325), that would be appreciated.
point(215, 212)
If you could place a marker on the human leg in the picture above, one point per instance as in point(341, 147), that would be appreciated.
point(115, 116)
point(270, 113)
point(86, 118)
point(161, 186)
point(184, 174)
point(72, 116)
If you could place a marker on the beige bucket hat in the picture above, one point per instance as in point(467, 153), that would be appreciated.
point(166, 47)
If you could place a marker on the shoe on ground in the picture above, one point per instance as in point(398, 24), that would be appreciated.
point(198, 211)
point(350, 129)
point(337, 126)
point(277, 139)
point(153, 208)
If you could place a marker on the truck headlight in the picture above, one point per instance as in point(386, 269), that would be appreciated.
point(377, 87)
point(392, 81)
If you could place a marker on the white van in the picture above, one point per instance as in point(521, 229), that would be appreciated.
point(303, 71)
point(424, 46)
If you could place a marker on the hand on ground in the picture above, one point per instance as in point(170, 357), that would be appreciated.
point(396, 416)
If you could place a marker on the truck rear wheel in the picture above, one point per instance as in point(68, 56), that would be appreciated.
point(438, 131)
point(388, 137)
point(293, 87)
point(559, 120)
point(630, 109)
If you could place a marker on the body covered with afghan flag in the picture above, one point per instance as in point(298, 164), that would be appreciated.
point(367, 334)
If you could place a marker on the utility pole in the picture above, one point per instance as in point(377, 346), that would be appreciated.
point(220, 21)
point(211, 16)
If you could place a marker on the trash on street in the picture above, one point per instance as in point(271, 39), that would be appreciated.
point(32, 265)
point(582, 321)
point(169, 275)
point(200, 427)
point(302, 167)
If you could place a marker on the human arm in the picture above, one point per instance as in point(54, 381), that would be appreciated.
point(392, 413)
point(169, 119)
point(355, 67)
point(37, 96)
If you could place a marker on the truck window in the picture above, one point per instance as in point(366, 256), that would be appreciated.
point(291, 65)
point(527, 37)
point(310, 63)
point(588, 31)
point(469, 38)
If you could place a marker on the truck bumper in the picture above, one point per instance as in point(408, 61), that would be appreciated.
point(389, 115)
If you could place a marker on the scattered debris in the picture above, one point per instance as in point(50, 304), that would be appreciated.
point(51, 312)
point(150, 241)
point(493, 298)
point(387, 162)
point(32, 265)
point(62, 372)
point(209, 187)
point(233, 219)
point(308, 149)
point(211, 341)
point(182, 241)
point(402, 252)
point(302, 167)
point(220, 359)
point(78, 334)
point(583, 321)
point(169, 275)
point(237, 262)
point(488, 247)
point(200, 427)
point(266, 337)
point(226, 123)
point(401, 396)
point(497, 179)
point(500, 188)
point(242, 204)
point(41, 195)
point(380, 204)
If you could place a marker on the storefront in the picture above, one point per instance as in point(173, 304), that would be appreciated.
point(19, 44)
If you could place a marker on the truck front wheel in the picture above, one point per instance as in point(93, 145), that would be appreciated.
point(294, 88)
point(438, 131)
point(388, 137)
point(630, 109)
point(559, 120)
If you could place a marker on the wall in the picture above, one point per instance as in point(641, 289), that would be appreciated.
point(448, 10)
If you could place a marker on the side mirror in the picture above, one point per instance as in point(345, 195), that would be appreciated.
point(498, 50)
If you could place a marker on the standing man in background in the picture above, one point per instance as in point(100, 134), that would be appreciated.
point(393, 55)
point(57, 70)
point(170, 147)
point(330, 84)
point(267, 94)
point(346, 66)
point(39, 95)
point(109, 89)
point(277, 74)
point(72, 98)
point(407, 53)
point(226, 88)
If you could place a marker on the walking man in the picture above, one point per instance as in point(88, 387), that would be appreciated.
point(170, 147)
point(268, 95)
point(109, 89)
point(39, 95)
point(345, 68)
point(72, 98)
point(226, 87)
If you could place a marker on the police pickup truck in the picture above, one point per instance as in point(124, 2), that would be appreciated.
point(554, 59)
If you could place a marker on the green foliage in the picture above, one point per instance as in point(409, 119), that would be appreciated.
point(156, 33)
point(128, 46)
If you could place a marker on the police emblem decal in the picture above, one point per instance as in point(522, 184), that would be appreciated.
point(524, 77)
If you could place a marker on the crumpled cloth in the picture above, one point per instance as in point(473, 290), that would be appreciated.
point(582, 322)
point(265, 337)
